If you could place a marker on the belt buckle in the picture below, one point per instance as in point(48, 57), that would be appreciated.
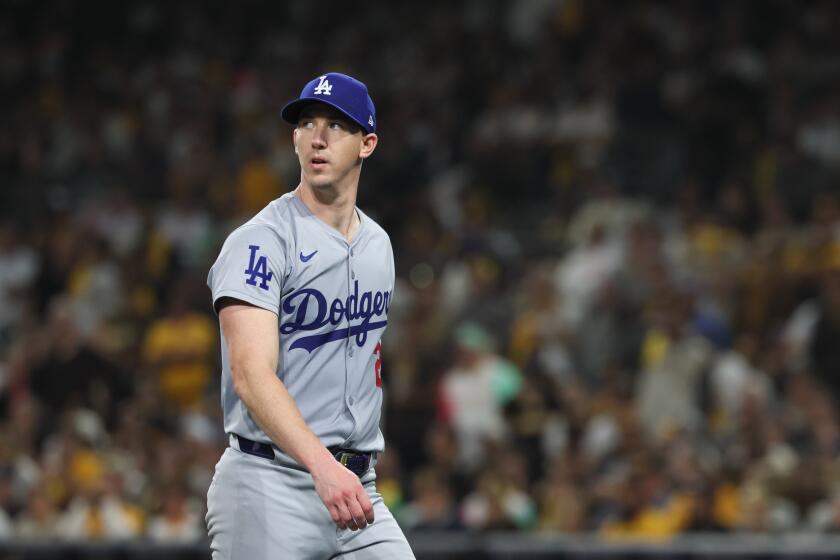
point(358, 463)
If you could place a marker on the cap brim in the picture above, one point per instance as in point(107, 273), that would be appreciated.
point(291, 112)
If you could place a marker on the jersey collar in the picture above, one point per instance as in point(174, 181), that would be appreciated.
point(329, 229)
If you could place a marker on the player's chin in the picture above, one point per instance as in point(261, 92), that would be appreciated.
point(320, 180)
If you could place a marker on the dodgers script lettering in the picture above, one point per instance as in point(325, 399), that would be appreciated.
point(308, 302)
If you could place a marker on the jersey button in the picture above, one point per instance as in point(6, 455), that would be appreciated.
point(353, 274)
point(350, 351)
point(351, 252)
point(352, 401)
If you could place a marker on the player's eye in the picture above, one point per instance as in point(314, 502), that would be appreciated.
point(335, 125)
point(307, 123)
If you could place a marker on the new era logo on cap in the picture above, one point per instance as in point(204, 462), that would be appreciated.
point(343, 92)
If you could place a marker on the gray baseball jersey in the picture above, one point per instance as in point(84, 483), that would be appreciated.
point(331, 298)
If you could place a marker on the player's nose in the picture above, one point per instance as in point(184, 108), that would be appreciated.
point(319, 136)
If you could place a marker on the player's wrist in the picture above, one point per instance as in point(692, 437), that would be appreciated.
point(317, 459)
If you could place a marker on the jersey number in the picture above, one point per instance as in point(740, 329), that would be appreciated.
point(378, 366)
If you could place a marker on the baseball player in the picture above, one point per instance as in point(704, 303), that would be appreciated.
point(302, 292)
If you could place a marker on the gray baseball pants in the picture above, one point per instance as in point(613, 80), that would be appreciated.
point(259, 509)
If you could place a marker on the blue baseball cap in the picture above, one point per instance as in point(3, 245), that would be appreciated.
point(347, 94)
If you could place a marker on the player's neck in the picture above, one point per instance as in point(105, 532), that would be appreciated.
point(334, 207)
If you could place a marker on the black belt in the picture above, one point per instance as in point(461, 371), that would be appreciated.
point(357, 461)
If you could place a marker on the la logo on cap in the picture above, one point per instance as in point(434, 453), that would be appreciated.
point(323, 87)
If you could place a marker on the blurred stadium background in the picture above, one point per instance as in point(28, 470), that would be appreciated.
point(617, 233)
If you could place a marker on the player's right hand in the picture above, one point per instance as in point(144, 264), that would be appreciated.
point(343, 494)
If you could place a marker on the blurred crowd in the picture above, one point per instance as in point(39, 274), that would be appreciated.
point(616, 228)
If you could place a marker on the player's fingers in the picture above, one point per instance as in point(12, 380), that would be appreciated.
point(366, 505)
point(345, 517)
point(358, 515)
point(336, 517)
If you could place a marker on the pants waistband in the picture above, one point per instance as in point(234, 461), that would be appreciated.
point(358, 462)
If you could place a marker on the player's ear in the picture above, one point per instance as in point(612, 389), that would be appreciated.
point(295, 139)
point(368, 145)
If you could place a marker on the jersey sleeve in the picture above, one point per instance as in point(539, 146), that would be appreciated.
point(251, 267)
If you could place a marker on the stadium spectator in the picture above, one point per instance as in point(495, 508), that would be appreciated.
point(179, 347)
point(474, 392)
point(179, 520)
point(38, 520)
